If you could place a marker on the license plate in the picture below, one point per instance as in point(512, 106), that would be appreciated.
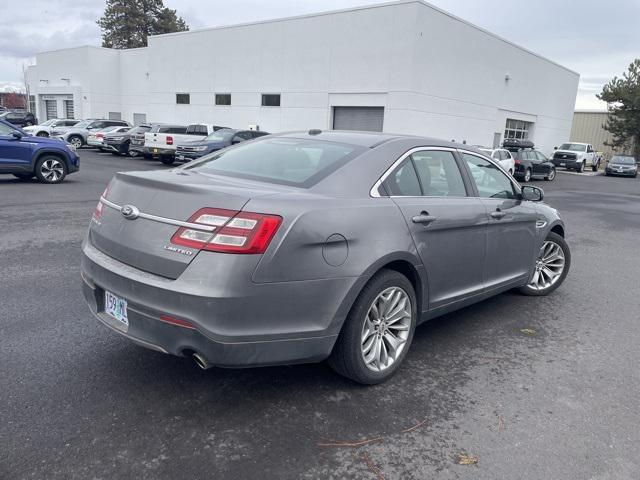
point(155, 150)
point(179, 157)
point(116, 307)
point(562, 164)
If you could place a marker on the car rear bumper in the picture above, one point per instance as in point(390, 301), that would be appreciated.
point(159, 152)
point(235, 324)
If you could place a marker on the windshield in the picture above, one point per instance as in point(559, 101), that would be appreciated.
point(623, 160)
point(221, 135)
point(573, 147)
point(287, 161)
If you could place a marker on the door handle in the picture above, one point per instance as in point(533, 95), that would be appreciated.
point(498, 214)
point(424, 218)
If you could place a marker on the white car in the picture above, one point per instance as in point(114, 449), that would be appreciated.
point(161, 143)
point(44, 129)
point(576, 156)
point(503, 156)
point(96, 137)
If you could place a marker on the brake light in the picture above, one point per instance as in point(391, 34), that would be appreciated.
point(169, 140)
point(97, 213)
point(516, 161)
point(99, 135)
point(228, 231)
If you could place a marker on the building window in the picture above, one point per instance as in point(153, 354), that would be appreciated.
point(270, 99)
point(32, 104)
point(517, 129)
point(183, 98)
point(223, 99)
point(68, 108)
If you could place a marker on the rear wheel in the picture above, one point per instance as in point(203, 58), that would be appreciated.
point(76, 141)
point(527, 175)
point(50, 169)
point(595, 167)
point(378, 330)
point(167, 160)
point(551, 268)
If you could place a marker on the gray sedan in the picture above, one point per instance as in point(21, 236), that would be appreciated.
point(305, 246)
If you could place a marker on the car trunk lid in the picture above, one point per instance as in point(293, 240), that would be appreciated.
point(162, 200)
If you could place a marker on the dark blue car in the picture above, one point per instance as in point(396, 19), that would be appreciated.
point(216, 141)
point(25, 156)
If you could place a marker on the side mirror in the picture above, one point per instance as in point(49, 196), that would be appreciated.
point(532, 194)
point(16, 135)
point(555, 148)
point(235, 141)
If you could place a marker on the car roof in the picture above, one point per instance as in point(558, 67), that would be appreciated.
point(369, 139)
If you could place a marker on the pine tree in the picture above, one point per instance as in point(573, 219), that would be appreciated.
point(128, 23)
point(623, 98)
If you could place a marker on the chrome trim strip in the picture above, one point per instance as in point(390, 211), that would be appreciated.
point(169, 221)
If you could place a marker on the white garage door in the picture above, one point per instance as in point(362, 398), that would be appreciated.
point(368, 119)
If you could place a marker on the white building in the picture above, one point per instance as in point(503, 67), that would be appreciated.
point(404, 67)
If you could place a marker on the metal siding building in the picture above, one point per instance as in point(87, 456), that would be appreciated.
point(588, 127)
point(404, 67)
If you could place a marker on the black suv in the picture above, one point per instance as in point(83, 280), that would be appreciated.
point(20, 118)
point(529, 162)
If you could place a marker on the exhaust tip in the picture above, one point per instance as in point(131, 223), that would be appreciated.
point(201, 361)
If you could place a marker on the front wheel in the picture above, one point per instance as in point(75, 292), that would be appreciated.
point(581, 167)
point(378, 330)
point(551, 268)
point(551, 176)
point(76, 141)
point(42, 134)
point(50, 169)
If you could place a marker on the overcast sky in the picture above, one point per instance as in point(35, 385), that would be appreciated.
point(596, 39)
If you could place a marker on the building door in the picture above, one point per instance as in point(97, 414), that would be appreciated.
point(139, 118)
point(497, 138)
point(370, 119)
point(115, 116)
point(51, 109)
point(68, 108)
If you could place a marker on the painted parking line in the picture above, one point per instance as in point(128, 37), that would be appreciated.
point(583, 174)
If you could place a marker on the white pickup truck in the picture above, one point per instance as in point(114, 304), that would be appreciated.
point(576, 156)
point(161, 142)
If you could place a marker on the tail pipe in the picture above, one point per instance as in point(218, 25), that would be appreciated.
point(201, 361)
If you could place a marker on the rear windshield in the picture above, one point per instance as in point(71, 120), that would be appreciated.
point(140, 129)
point(286, 161)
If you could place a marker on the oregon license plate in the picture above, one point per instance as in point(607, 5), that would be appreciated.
point(116, 307)
point(155, 150)
point(179, 157)
point(562, 164)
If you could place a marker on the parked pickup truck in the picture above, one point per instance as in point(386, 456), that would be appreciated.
point(163, 145)
point(576, 156)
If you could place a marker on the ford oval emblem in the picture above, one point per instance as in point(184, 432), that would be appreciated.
point(130, 212)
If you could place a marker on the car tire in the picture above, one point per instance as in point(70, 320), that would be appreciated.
point(23, 176)
point(551, 176)
point(132, 153)
point(580, 169)
point(351, 349)
point(167, 160)
point(42, 134)
point(76, 141)
point(538, 286)
point(51, 169)
point(527, 176)
point(594, 168)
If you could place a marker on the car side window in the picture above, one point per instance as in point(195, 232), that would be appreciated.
point(438, 174)
point(6, 130)
point(244, 135)
point(490, 180)
point(541, 156)
point(403, 181)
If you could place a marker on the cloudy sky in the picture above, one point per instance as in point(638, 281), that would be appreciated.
point(577, 34)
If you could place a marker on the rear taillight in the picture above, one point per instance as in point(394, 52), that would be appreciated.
point(97, 213)
point(99, 135)
point(228, 231)
point(169, 140)
point(516, 161)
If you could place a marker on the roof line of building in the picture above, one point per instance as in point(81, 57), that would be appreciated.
point(590, 110)
point(367, 7)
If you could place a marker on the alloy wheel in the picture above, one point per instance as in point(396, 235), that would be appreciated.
point(76, 142)
point(527, 175)
point(386, 329)
point(52, 170)
point(552, 174)
point(549, 266)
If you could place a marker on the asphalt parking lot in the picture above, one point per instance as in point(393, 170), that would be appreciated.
point(535, 388)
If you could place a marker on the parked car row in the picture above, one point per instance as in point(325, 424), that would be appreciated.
point(19, 117)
